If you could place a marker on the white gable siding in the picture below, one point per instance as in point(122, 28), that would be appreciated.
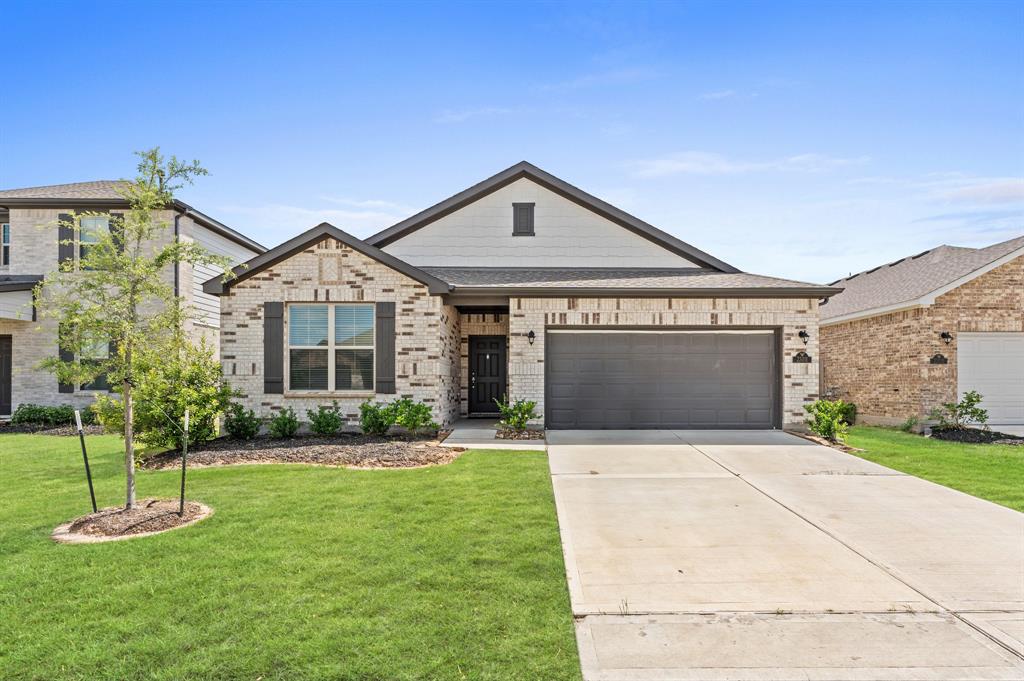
point(566, 235)
point(207, 307)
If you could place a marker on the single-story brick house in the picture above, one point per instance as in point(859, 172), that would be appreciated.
point(527, 286)
point(905, 337)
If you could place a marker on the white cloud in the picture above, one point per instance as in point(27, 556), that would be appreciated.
point(463, 115)
point(276, 222)
point(713, 96)
point(999, 190)
point(706, 163)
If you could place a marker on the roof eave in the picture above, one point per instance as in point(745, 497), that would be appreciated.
point(816, 292)
point(560, 187)
point(26, 284)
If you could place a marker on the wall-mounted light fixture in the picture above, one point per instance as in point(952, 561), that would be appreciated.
point(947, 337)
point(804, 336)
point(531, 336)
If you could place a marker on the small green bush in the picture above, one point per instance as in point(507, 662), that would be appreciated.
point(413, 416)
point(42, 415)
point(284, 423)
point(326, 420)
point(241, 423)
point(849, 415)
point(909, 425)
point(826, 419)
point(959, 415)
point(376, 418)
point(516, 415)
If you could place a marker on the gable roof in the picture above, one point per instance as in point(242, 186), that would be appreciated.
point(560, 187)
point(100, 194)
point(916, 280)
point(217, 286)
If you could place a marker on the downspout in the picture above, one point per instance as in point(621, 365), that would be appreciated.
point(177, 262)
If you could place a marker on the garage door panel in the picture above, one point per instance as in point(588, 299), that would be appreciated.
point(993, 364)
point(661, 380)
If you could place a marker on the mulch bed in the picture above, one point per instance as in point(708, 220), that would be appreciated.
point(354, 451)
point(148, 516)
point(976, 436)
point(37, 429)
point(522, 435)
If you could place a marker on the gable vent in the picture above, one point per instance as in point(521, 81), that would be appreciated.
point(522, 219)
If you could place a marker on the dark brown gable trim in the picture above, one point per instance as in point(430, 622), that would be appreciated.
point(563, 189)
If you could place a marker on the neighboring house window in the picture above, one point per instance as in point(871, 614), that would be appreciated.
point(91, 228)
point(95, 354)
point(5, 244)
point(522, 219)
point(330, 347)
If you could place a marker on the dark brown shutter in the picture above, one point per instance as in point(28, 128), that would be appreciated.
point(117, 230)
point(65, 356)
point(522, 219)
point(65, 233)
point(273, 348)
point(385, 348)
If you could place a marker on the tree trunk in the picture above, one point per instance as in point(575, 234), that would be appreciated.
point(129, 446)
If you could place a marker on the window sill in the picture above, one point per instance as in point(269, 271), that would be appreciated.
point(326, 393)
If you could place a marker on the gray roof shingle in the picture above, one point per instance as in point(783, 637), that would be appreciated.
point(98, 189)
point(611, 278)
point(908, 279)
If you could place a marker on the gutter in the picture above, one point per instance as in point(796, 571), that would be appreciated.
point(580, 292)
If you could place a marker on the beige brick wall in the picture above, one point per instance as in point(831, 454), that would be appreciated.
point(799, 381)
point(494, 324)
point(426, 331)
point(882, 363)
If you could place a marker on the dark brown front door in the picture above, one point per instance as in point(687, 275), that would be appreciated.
point(5, 375)
point(487, 372)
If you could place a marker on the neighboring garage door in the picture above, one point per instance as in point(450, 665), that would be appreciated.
point(993, 364)
point(655, 379)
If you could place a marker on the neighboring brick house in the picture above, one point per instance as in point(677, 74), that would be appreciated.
point(906, 337)
point(527, 286)
point(29, 250)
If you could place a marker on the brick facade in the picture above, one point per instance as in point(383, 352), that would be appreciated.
point(426, 331)
point(882, 363)
point(791, 315)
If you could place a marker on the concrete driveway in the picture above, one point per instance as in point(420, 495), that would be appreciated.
point(760, 555)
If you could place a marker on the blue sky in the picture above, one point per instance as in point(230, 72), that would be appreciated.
point(803, 140)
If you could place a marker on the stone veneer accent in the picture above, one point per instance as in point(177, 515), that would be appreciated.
point(426, 330)
point(882, 364)
point(800, 381)
point(495, 324)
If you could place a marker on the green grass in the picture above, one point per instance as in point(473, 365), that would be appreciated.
point(993, 472)
point(303, 572)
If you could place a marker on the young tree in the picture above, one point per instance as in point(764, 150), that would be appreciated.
point(117, 300)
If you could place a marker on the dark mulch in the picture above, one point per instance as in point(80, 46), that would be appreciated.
point(149, 515)
point(522, 435)
point(361, 451)
point(37, 429)
point(976, 436)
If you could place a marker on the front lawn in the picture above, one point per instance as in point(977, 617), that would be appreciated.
point(993, 472)
point(303, 572)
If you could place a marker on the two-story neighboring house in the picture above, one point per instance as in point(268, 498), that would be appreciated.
point(527, 286)
point(30, 233)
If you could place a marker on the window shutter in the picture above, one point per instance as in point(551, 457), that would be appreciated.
point(522, 219)
point(273, 348)
point(117, 230)
point(65, 356)
point(65, 251)
point(385, 348)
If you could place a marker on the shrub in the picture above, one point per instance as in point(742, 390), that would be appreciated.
point(413, 416)
point(849, 412)
point(827, 419)
point(959, 415)
point(325, 420)
point(241, 423)
point(375, 418)
point(285, 423)
point(167, 381)
point(909, 425)
point(42, 415)
point(516, 415)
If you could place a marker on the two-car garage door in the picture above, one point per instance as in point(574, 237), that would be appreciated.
point(661, 379)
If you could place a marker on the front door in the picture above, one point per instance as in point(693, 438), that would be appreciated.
point(5, 375)
point(487, 373)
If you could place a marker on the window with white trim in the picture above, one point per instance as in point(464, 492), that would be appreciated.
point(89, 233)
point(5, 243)
point(95, 353)
point(330, 347)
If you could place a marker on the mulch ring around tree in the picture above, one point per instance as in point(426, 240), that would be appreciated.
point(149, 516)
point(38, 429)
point(353, 451)
point(976, 436)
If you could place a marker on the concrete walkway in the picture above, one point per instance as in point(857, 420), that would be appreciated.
point(479, 434)
point(760, 555)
